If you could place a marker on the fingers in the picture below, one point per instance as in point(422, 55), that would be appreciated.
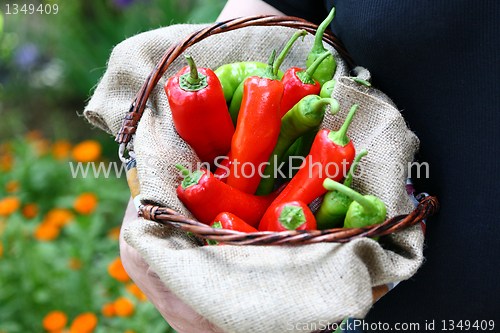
point(177, 313)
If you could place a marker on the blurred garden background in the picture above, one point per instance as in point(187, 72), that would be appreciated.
point(59, 260)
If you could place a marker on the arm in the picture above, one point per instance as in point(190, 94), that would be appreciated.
point(237, 8)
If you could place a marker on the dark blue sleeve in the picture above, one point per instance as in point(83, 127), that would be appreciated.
point(439, 62)
point(311, 10)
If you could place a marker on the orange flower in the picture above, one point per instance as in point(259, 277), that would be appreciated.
point(116, 270)
point(34, 135)
point(134, 290)
point(30, 210)
point(1, 250)
point(41, 146)
point(74, 263)
point(6, 162)
point(114, 233)
point(55, 320)
point(108, 310)
point(5, 148)
point(46, 231)
point(124, 307)
point(59, 216)
point(61, 149)
point(9, 205)
point(12, 186)
point(129, 331)
point(87, 151)
point(85, 203)
point(84, 323)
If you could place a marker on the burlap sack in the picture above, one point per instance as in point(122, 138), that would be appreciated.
point(253, 288)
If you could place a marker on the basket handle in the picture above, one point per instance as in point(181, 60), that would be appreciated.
point(136, 110)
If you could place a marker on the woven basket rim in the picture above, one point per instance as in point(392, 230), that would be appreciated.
point(427, 206)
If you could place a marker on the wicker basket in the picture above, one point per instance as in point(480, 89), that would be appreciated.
point(427, 206)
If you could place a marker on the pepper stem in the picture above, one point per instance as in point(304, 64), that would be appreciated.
point(348, 180)
point(292, 217)
point(283, 53)
point(318, 39)
point(368, 206)
point(190, 178)
point(216, 225)
point(182, 169)
point(339, 137)
point(310, 71)
point(320, 103)
point(268, 72)
point(193, 77)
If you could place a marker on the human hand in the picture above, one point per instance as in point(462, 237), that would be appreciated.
point(178, 314)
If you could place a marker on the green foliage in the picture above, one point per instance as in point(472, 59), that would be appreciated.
point(36, 275)
point(50, 63)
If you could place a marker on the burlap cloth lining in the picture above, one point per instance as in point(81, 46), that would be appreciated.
point(252, 288)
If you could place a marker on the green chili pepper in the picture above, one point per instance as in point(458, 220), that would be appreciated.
point(302, 149)
point(298, 150)
point(231, 75)
point(332, 212)
point(327, 67)
point(364, 211)
point(363, 82)
point(234, 107)
point(327, 89)
point(303, 117)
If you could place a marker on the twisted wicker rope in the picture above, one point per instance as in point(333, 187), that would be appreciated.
point(427, 207)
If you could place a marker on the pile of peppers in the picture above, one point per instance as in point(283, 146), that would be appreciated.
point(265, 119)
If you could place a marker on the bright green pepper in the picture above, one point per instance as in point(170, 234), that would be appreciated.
point(364, 211)
point(327, 67)
point(327, 89)
point(304, 144)
point(231, 75)
point(332, 212)
point(303, 117)
point(234, 107)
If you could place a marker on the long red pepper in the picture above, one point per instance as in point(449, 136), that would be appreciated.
point(206, 197)
point(199, 111)
point(223, 167)
point(331, 155)
point(229, 221)
point(298, 83)
point(257, 129)
point(232, 222)
point(294, 215)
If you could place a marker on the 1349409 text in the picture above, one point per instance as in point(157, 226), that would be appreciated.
point(29, 9)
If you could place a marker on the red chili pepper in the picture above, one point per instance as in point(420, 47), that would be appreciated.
point(223, 167)
point(331, 155)
point(199, 111)
point(229, 221)
point(298, 83)
point(206, 197)
point(257, 129)
point(294, 215)
point(232, 222)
